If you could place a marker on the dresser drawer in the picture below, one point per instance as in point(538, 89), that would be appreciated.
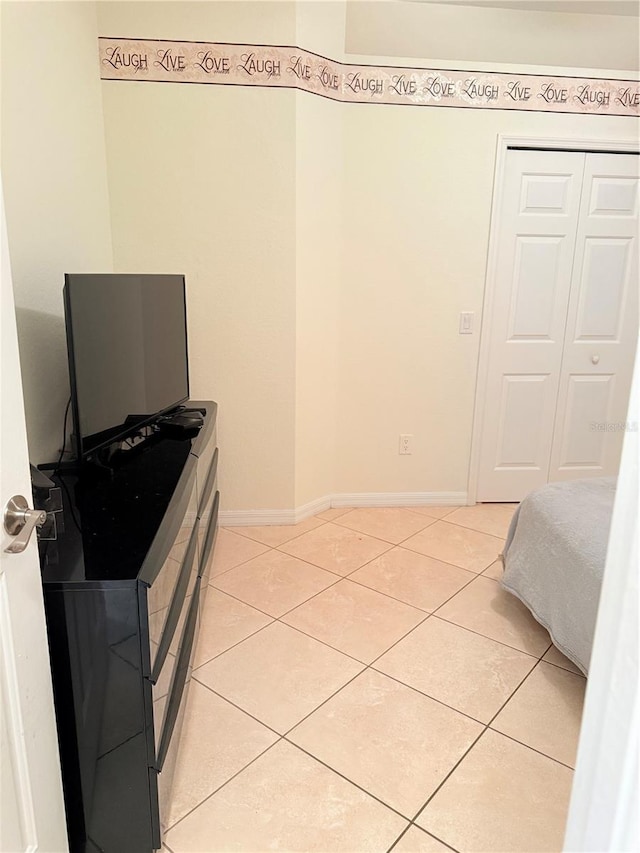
point(165, 660)
point(171, 534)
point(162, 590)
point(171, 616)
point(204, 449)
point(208, 531)
point(173, 705)
point(206, 484)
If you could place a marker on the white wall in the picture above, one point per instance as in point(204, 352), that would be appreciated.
point(56, 199)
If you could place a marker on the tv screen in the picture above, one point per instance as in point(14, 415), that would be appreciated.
point(127, 345)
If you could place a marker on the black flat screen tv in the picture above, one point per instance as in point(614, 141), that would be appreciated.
point(127, 347)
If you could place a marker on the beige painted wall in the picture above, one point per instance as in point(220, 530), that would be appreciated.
point(55, 187)
point(515, 37)
point(417, 193)
point(319, 223)
point(417, 202)
point(202, 182)
point(328, 248)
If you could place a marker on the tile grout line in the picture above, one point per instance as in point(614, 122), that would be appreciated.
point(296, 536)
point(371, 666)
point(476, 529)
point(395, 544)
point(252, 634)
point(379, 592)
point(286, 738)
point(413, 825)
point(449, 774)
point(444, 843)
point(406, 547)
point(346, 778)
point(402, 834)
point(413, 510)
point(504, 705)
point(238, 708)
point(306, 562)
point(493, 640)
point(532, 748)
point(427, 695)
point(299, 630)
point(319, 592)
point(389, 547)
point(375, 660)
point(482, 733)
point(219, 788)
point(402, 542)
point(345, 510)
point(334, 648)
point(432, 521)
point(560, 666)
point(401, 600)
point(241, 563)
point(351, 781)
point(235, 597)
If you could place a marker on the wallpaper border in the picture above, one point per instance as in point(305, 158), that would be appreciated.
point(290, 67)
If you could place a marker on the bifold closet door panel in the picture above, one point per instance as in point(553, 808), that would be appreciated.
point(602, 323)
point(536, 233)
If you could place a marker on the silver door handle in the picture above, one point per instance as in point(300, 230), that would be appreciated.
point(19, 521)
point(595, 359)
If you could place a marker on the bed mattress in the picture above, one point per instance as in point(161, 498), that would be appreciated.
point(554, 559)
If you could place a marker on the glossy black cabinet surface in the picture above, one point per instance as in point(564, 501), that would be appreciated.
point(123, 587)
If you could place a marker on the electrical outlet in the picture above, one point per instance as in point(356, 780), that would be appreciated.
point(406, 445)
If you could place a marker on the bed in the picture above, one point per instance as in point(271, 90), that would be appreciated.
point(554, 559)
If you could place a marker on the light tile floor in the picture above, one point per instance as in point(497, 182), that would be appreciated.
point(363, 683)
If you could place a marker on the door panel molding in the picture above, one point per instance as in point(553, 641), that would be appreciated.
point(600, 336)
point(504, 143)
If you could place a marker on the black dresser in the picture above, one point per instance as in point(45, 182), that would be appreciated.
point(124, 586)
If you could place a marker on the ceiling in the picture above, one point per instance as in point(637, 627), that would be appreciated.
point(629, 8)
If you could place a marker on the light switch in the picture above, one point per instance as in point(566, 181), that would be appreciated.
point(466, 323)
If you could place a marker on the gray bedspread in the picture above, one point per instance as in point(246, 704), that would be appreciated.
point(554, 559)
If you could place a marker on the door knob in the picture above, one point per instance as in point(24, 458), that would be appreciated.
point(19, 521)
point(595, 359)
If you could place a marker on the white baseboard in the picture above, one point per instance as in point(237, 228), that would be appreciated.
point(259, 517)
point(400, 499)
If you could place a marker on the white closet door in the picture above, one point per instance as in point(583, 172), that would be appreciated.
point(602, 323)
point(536, 239)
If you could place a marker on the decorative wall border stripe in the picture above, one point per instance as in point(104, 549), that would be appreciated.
point(278, 66)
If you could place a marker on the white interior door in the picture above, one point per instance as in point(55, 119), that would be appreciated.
point(564, 323)
point(31, 805)
point(602, 323)
point(537, 226)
